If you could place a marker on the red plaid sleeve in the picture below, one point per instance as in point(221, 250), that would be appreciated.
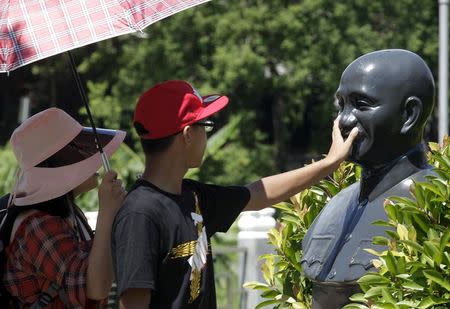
point(45, 248)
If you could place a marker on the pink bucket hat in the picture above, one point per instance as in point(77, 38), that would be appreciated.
point(46, 134)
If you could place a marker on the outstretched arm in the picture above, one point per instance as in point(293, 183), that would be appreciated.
point(274, 189)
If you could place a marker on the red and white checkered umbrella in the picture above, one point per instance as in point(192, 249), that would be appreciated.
point(31, 30)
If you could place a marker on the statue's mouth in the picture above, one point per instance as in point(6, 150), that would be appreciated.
point(346, 133)
point(356, 144)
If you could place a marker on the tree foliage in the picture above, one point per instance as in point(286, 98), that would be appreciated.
point(279, 61)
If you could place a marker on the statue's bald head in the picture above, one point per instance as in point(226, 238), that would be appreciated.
point(398, 71)
point(389, 95)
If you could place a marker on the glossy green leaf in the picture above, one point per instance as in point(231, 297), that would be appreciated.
point(267, 303)
point(380, 241)
point(421, 222)
point(373, 292)
point(358, 297)
point(387, 297)
point(391, 211)
point(412, 244)
point(284, 206)
point(391, 263)
point(255, 285)
point(411, 285)
point(437, 278)
point(408, 303)
point(432, 250)
point(355, 306)
point(445, 240)
point(382, 223)
point(432, 301)
point(373, 279)
point(379, 305)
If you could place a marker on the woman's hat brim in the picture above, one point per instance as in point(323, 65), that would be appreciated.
point(79, 148)
point(39, 184)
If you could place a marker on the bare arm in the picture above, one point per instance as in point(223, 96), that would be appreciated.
point(100, 270)
point(135, 298)
point(274, 189)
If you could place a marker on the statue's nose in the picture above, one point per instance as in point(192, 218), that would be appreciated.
point(347, 122)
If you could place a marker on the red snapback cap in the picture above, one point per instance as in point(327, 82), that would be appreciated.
point(168, 107)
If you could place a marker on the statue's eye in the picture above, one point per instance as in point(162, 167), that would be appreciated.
point(363, 104)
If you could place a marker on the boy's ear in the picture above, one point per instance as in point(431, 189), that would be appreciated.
point(187, 135)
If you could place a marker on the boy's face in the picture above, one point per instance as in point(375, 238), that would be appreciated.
point(198, 146)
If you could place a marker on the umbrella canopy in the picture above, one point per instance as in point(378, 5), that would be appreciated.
point(31, 30)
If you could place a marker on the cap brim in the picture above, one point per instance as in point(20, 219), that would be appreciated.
point(39, 184)
point(212, 106)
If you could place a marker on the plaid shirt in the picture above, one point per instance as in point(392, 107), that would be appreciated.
point(46, 249)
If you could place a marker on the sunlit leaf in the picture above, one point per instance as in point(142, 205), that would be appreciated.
point(437, 278)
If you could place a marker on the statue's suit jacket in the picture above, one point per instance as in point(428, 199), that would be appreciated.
point(333, 248)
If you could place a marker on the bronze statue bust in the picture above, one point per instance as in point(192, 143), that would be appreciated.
point(388, 95)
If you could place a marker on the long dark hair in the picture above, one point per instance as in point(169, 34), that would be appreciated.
point(62, 206)
point(59, 206)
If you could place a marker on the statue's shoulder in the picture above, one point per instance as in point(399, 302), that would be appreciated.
point(344, 197)
point(405, 185)
point(337, 206)
point(349, 190)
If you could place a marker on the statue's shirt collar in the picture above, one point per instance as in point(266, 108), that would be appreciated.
point(396, 171)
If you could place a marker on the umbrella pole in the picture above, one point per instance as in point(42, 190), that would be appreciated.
point(84, 98)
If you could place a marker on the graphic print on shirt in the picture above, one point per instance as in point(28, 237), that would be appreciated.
point(197, 251)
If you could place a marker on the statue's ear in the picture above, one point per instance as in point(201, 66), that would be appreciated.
point(412, 109)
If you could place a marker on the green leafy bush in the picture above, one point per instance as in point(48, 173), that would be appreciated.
point(413, 273)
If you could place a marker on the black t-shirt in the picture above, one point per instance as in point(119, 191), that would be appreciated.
point(155, 239)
